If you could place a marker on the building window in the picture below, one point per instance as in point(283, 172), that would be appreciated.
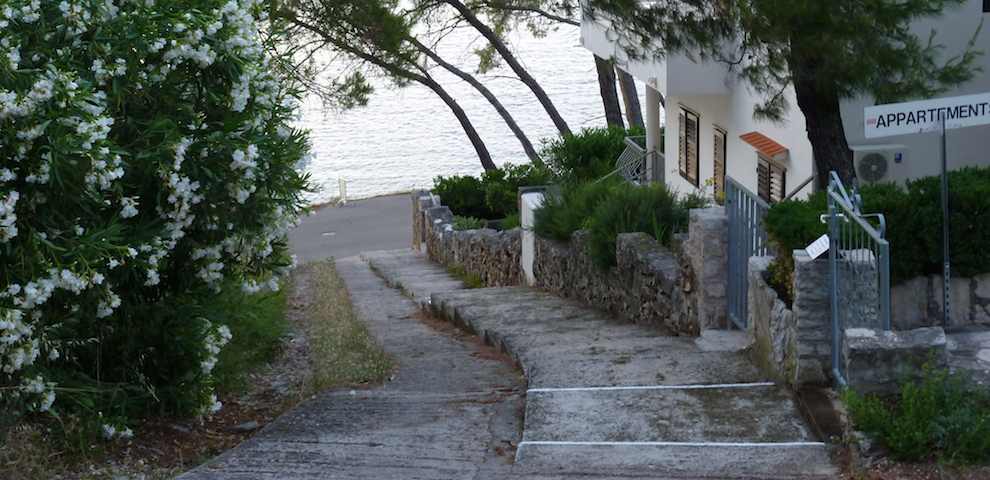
point(771, 180)
point(986, 6)
point(688, 154)
point(719, 164)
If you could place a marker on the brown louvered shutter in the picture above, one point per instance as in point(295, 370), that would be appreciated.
point(763, 179)
point(689, 156)
point(771, 180)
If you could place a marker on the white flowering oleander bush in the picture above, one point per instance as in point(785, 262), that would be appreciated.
point(147, 166)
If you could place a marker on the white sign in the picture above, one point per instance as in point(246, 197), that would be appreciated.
point(818, 247)
point(926, 115)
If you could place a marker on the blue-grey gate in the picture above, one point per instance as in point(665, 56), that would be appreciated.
point(859, 262)
point(747, 238)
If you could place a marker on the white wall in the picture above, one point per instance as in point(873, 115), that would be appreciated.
point(791, 133)
point(729, 104)
point(712, 110)
point(969, 146)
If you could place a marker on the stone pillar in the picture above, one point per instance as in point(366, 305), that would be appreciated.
point(706, 251)
point(653, 136)
point(876, 361)
point(528, 203)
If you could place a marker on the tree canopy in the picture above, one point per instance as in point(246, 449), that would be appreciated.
point(827, 51)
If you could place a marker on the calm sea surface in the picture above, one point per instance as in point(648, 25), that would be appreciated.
point(405, 137)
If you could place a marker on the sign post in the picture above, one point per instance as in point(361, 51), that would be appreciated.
point(925, 116)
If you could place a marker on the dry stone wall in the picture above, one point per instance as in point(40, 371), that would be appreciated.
point(792, 344)
point(492, 256)
point(680, 290)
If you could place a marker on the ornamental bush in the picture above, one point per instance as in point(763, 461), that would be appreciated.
point(913, 213)
point(588, 155)
point(494, 195)
point(147, 169)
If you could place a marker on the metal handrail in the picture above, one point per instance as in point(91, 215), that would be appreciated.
point(798, 189)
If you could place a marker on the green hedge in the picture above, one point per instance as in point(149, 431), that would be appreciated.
point(588, 155)
point(609, 208)
point(491, 197)
point(914, 224)
point(944, 417)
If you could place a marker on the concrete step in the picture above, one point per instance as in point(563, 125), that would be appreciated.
point(969, 352)
point(743, 413)
point(604, 394)
point(736, 461)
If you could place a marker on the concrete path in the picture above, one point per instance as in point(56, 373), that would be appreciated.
point(453, 411)
point(621, 397)
point(380, 223)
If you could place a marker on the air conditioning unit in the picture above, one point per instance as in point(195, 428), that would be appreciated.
point(879, 163)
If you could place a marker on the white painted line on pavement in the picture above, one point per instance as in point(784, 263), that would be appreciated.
point(653, 387)
point(673, 444)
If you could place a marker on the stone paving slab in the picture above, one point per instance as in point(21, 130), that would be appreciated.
point(969, 351)
point(757, 414)
point(756, 432)
point(680, 461)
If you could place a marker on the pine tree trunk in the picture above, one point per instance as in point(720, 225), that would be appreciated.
point(630, 97)
point(469, 130)
point(479, 145)
point(610, 97)
point(510, 59)
point(823, 119)
point(485, 92)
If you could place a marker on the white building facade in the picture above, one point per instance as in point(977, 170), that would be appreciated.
point(710, 131)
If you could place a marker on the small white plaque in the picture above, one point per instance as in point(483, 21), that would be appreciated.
point(818, 247)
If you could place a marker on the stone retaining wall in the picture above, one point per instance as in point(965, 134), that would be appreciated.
point(682, 291)
point(491, 255)
point(918, 302)
point(792, 344)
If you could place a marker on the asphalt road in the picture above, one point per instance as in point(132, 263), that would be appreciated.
point(380, 223)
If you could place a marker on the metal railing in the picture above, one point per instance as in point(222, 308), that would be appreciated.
point(859, 266)
point(632, 162)
point(747, 238)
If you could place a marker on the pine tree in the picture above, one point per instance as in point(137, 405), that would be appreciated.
point(826, 50)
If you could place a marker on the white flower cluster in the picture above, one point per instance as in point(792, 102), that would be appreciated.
point(116, 432)
point(215, 340)
point(132, 206)
point(8, 217)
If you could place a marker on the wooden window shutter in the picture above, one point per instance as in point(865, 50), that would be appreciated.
point(771, 179)
point(688, 156)
point(763, 179)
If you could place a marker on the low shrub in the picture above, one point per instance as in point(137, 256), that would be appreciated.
point(914, 226)
point(586, 156)
point(792, 225)
point(464, 195)
point(511, 221)
point(468, 223)
point(501, 187)
point(943, 417)
point(568, 210)
point(611, 207)
point(494, 195)
point(651, 209)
